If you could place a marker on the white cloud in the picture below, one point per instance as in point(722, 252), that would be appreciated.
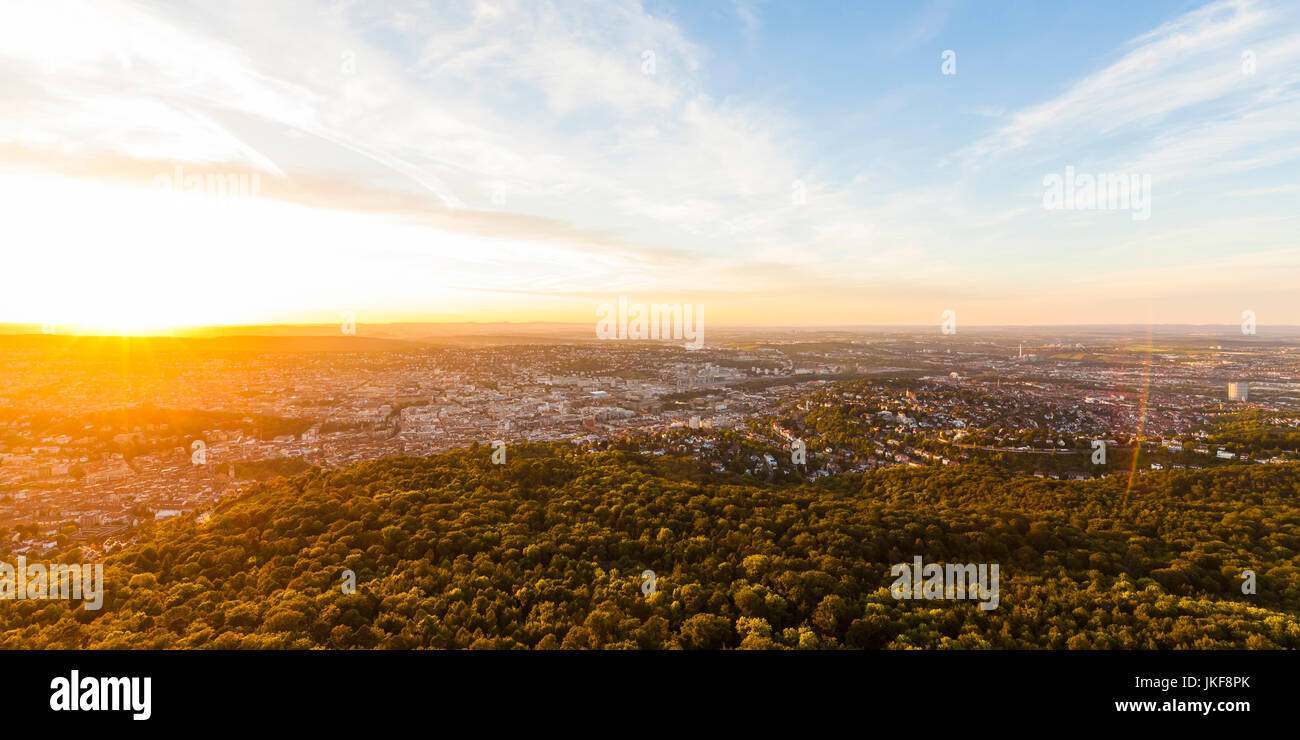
point(1176, 69)
point(612, 174)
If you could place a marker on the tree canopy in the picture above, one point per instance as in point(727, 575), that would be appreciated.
point(548, 551)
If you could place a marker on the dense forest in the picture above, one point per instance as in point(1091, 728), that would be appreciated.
point(548, 551)
point(1257, 430)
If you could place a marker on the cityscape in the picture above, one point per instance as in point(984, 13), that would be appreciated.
point(96, 447)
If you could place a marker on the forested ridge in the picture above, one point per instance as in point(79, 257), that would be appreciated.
point(548, 551)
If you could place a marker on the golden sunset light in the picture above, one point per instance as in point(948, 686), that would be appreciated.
point(345, 341)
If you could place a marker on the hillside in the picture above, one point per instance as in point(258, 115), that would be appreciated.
point(548, 551)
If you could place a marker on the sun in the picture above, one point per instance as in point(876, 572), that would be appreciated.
point(125, 328)
point(124, 325)
point(126, 310)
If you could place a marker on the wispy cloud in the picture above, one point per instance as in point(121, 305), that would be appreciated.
point(584, 145)
point(1167, 85)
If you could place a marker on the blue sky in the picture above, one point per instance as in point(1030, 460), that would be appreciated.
point(531, 160)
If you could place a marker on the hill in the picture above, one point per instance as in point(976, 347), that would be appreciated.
point(548, 551)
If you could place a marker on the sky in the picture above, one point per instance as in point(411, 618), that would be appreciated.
point(778, 163)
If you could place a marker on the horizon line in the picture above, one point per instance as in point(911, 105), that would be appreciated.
point(72, 329)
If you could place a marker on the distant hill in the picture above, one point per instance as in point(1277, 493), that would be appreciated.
point(549, 551)
point(1176, 336)
point(114, 347)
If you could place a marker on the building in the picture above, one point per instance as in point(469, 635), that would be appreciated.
point(1238, 391)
